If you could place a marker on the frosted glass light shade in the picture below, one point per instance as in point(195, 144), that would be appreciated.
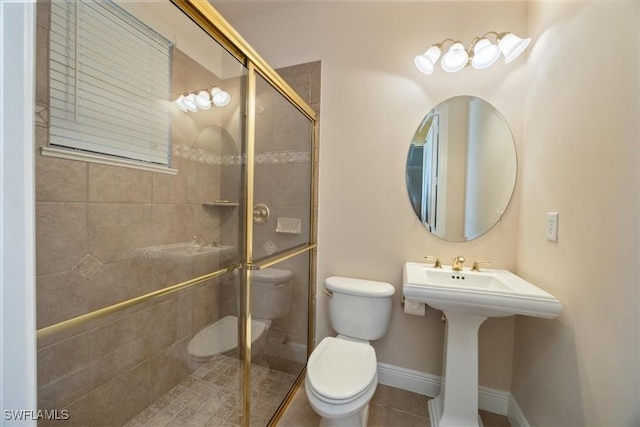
point(219, 97)
point(427, 61)
point(203, 100)
point(179, 102)
point(455, 59)
point(187, 103)
point(485, 54)
point(512, 46)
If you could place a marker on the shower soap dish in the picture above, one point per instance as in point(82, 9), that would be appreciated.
point(289, 225)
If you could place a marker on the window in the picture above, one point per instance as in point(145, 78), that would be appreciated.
point(109, 78)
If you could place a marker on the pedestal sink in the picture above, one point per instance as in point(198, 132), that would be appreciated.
point(467, 299)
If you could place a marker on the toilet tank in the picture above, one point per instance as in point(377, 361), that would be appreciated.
point(270, 293)
point(360, 308)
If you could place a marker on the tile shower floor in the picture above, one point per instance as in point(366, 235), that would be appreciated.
point(212, 396)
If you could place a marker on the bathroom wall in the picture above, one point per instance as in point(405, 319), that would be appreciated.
point(577, 153)
point(581, 160)
point(373, 99)
point(93, 223)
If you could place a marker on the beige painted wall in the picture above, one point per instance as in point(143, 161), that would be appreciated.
point(581, 159)
point(373, 99)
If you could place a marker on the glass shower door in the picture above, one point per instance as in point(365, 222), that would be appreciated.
point(137, 310)
point(144, 286)
point(283, 168)
point(282, 207)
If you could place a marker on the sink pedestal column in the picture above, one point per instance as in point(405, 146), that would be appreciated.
point(457, 403)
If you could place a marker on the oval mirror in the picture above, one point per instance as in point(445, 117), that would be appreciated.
point(461, 168)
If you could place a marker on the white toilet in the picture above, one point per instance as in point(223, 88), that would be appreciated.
point(271, 298)
point(342, 372)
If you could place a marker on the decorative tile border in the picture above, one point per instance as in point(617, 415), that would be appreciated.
point(283, 157)
point(269, 158)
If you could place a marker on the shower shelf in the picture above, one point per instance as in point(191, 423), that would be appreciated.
point(223, 203)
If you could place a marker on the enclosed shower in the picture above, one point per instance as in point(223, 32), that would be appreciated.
point(175, 218)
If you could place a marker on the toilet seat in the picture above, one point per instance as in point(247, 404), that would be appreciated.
point(340, 371)
point(221, 337)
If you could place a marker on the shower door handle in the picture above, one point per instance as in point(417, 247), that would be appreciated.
point(260, 213)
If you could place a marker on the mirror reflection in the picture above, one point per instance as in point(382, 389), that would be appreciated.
point(461, 168)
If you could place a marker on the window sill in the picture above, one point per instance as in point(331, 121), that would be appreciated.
point(61, 153)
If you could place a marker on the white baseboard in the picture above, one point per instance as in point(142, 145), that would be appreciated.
point(408, 379)
point(493, 400)
point(515, 415)
point(489, 399)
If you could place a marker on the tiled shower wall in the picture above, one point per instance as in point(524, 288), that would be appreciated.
point(283, 175)
point(92, 222)
point(285, 189)
point(93, 219)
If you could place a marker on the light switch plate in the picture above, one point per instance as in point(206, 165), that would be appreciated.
point(552, 226)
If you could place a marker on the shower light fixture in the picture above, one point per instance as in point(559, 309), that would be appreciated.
point(482, 52)
point(219, 97)
point(202, 99)
point(186, 104)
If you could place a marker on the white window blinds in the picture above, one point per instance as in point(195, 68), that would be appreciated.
point(109, 78)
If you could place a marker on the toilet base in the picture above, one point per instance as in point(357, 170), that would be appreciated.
point(331, 415)
point(359, 419)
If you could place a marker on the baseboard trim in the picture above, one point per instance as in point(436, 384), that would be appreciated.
point(408, 379)
point(489, 399)
point(515, 415)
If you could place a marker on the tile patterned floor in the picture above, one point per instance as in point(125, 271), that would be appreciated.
point(211, 397)
point(390, 407)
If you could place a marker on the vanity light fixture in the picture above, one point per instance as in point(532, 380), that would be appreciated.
point(219, 97)
point(202, 99)
point(482, 52)
point(186, 104)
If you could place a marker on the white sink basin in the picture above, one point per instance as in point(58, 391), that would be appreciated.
point(467, 299)
point(185, 250)
point(488, 293)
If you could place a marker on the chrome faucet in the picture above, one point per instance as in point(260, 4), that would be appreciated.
point(456, 265)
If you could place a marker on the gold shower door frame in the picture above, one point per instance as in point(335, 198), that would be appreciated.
point(248, 257)
point(215, 25)
point(205, 16)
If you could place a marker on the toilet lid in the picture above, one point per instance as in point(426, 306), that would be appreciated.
point(340, 369)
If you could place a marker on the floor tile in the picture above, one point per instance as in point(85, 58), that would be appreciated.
point(389, 407)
